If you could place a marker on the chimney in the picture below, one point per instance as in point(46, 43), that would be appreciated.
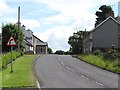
point(30, 31)
point(23, 27)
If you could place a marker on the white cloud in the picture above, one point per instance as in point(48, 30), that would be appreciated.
point(57, 37)
point(29, 23)
point(57, 19)
point(4, 9)
point(76, 11)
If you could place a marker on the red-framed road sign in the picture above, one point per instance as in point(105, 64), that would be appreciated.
point(11, 41)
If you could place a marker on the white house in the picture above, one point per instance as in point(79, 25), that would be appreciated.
point(33, 43)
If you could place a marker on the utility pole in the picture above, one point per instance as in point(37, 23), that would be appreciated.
point(119, 8)
point(19, 28)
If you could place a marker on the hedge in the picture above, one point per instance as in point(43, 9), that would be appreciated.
point(6, 58)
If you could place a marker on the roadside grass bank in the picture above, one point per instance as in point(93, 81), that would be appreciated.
point(0, 71)
point(99, 61)
point(6, 58)
point(22, 75)
point(0, 63)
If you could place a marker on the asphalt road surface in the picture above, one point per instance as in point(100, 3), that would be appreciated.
point(61, 71)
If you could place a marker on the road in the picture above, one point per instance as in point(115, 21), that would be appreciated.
point(64, 71)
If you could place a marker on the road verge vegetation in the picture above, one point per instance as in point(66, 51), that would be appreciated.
point(22, 75)
point(6, 58)
point(109, 60)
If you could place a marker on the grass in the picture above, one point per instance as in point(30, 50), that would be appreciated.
point(0, 62)
point(111, 65)
point(0, 70)
point(6, 58)
point(22, 75)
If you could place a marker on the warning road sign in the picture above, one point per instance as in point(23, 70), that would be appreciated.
point(11, 41)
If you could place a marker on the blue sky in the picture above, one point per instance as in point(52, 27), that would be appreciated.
point(53, 21)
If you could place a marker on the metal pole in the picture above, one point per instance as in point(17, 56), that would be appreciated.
point(119, 8)
point(11, 60)
point(19, 28)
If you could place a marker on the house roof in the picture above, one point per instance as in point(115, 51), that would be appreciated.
point(110, 17)
point(37, 38)
point(40, 42)
point(28, 43)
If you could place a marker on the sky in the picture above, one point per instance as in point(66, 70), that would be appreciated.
point(54, 21)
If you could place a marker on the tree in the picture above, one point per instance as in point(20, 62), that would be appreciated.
point(75, 42)
point(49, 50)
point(7, 31)
point(60, 52)
point(104, 12)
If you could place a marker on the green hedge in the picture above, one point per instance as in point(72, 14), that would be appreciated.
point(6, 58)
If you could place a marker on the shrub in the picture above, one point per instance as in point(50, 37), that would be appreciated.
point(97, 52)
point(6, 58)
point(119, 55)
point(111, 54)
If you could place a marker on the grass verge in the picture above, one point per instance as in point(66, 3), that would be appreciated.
point(0, 71)
point(22, 75)
point(110, 65)
point(0, 63)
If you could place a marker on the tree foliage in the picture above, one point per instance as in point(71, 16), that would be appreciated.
point(60, 52)
point(102, 14)
point(7, 31)
point(75, 42)
point(49, 50)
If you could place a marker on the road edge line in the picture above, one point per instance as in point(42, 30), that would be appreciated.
point(38, 84)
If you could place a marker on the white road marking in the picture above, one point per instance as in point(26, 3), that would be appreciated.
point(62, 63)
point(38, 85)
point(87, 78)
point(99, 83)
point(83, 76)
point(80, 75)
point(70, 69)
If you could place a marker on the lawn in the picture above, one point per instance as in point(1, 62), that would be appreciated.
point(23, 74)
point(111, 65)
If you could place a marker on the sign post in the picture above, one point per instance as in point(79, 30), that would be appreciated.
point(11, 42)
point(11, 59)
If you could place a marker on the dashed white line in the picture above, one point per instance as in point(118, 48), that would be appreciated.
point(62, 63)
point(87, 78)
point(70, 69)
point(80, 75)
point(99, 83)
